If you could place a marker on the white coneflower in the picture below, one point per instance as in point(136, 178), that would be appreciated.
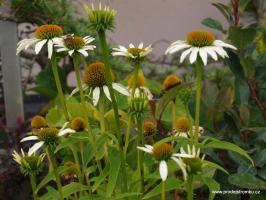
point(45, 34)
point(74, 44)
point(202, 44)
point(95, 81)
point(47, 136)
point(162, 153)
point(132, 51)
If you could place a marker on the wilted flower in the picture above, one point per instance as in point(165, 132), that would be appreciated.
point(202, 44)
point(95, 79)
point(30, 163)
point(74, 44)
point(135, 53)
point(78, 124)
point(45, 34)
point(38, 122)
point(171, 81)
point(101, 18)
point(162, 153)
point(140, 88)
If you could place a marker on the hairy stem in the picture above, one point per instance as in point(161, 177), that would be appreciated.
point(33, 186)
point(50, 154)
point(59, 86)
point(198, 94)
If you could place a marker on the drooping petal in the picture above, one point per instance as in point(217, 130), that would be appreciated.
point(96, 95)
point(184, 54)
point(203, 55)
point(50, 49)
point(220, 43)
point(194, 55)
point(182, 166)
point(147, 150)
point(220, 51)
point(39, 46)
point(212, 53)
point(176, 48)
point(163, 170)
point(33, 137)
point(107, 93)
point(121, 89)
point(35, 147)
point(70, 53)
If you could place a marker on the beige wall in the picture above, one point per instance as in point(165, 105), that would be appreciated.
point(151, 21)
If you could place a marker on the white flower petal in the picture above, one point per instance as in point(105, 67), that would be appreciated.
point(176, 48)
point(107, 93)
point(131, 45)
point(96, 95)
point(147, 150)
point(140, 45)
point(193, 55)
point(35, 147)
point(39, 46)
point(83, 52)
point(148, 146)
point(203, 55)
point(121, 89)
point(33, 137)
point(50, 49)
point(212, 53)
point(65, 131)
point(184, 54)
point(183, 155)
point(71, 52)
point(163, 170)
point(220, 51)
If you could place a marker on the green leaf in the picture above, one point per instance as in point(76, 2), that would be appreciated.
point(169, 96)
point(212, 23)
point(247, 181)
point(212, 185)
point(50, 176)
point(115, 164)
point(243, 4)
point(117, 197)
point(225, 10)
point(72, 188)
point(98, 180)
point(55, 117)
point(215, 166)
point(228, 146)
point(260, 159)
point(241, 37)
point(224, 99)
point(52, 194)
point(170, 184)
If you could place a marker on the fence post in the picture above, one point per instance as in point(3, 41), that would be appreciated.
point(11, 73)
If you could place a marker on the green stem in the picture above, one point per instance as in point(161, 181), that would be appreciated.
point(136, 73)
point(77, 73)
point(50, 154)
point(140, 154)
point(189, 187)
point(129, 127)
point(197, 113)
point(59, 86)
point(173, 113)
point(105, 53)
point(76, 158)
point(33, 186)
point(163, 191)
point(101, 109)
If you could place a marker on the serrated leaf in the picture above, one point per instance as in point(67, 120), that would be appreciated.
point(228, 146)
